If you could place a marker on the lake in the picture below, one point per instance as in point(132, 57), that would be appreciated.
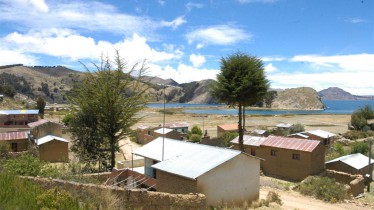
point(332, 107)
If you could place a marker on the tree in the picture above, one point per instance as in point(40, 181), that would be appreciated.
point(269, 98)
point(359, 118)
point(40, 105)
point(297, 128)
point(106, 102)
point(241, 82)
point(195, 133)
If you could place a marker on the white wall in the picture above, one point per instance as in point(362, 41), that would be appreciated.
point(235, 181)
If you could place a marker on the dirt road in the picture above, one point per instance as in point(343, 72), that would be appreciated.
point(293, 200)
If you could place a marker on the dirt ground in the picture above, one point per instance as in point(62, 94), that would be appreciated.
point(332, 123)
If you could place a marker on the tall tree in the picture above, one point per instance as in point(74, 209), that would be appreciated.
point(106, 103)
point(241, 82)
point(40, 105)
point(269, 98)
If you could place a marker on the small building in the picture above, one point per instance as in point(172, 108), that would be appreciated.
point(285, 157)
point(45, 127)
point(222, 129)
point(325, 137)
point(282, 128)
point(223, 175)
point(17, 118)
point(181, 127)
point(258, 132)
point(146, 134)
point(53, 148)
point(18, 141)
point(351, 164)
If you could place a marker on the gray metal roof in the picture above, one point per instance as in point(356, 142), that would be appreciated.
point(49, 138)
point(249, 140)
point(356, 161)
point(163, 130)
point(14, 112)
point(185, 159)
point(320, 133)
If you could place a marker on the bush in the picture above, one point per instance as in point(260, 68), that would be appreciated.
point(195, 137)
point(56, 199)
point(4, 150)
point(354, 135)
point(67, 119)
point(359, 147)
point(323, 188)
point(227, 137)
point(273, 197)
point(25, 165)
point(195, 134)
point(297, 128)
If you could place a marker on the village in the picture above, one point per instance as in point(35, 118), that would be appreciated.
point(163, 158)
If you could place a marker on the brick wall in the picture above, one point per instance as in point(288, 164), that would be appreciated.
point(129, 199)
point(170, 183)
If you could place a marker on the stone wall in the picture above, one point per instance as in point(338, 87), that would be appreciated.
point(128, 199)
point(356, 182)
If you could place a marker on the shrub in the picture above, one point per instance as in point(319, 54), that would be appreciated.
point(195, 134)
point(323, 188)
point(67, 119)
point(25, 165)
point(359, 147)
point(297, 128)
point(273, 197)
point(54, 199)
point(227, 137)
point(195, 137)
point(4, 150)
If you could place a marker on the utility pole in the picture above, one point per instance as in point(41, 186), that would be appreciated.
point(370, 173)
point(163, 128)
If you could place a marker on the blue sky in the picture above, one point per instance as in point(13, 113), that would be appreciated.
point(313, 43)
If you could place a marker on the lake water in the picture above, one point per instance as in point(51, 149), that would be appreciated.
point(332, 107)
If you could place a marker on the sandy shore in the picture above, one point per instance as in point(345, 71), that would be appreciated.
point(332, 123)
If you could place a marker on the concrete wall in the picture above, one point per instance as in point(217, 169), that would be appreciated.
point(235, 182)
point(129, 199)
point(54, 151)
point(171, 183)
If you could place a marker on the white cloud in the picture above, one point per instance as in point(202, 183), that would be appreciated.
point(175, 23)
point(270, 68)
point(161, 2)
point(8, 57)
point(40, 5)
point(197, 60)
point(355, 62)
point(68, 44)
point(182, 73)
point(256, 1)
point(218, 35)
point(355, 20)
point(191, 5)
point(87, 15)
point(273, 58)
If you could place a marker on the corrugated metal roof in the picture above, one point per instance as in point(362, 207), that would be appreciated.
point(185, 159)
point(13, 136)
point(249, 140)
point(163, 130)
point(229, 127)
point(290, 143)
point(49, 138)
point(321, 133)
point(37, 123)
point(300, 135)
point(142, 127)
point(284, 125)
point(177, 125)
point(356, 161)
point(257, 131)
point(14, 112)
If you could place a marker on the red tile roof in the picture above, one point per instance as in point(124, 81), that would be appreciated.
point(37, 123)
point(13, 136)
point(290, 143)
point(229, 127)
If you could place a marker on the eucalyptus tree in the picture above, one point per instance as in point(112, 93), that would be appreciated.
point(241, 82)
point(105, 105)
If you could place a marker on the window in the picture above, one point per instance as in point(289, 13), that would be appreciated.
point(253, 152)
point(273, 152)
point(296, 156)
point(150, 133)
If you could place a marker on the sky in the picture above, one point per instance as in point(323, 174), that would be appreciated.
point(303, 43)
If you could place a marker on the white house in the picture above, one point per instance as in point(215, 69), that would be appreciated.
point(223, 175)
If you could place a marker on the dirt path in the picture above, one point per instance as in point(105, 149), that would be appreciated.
point(293, 200)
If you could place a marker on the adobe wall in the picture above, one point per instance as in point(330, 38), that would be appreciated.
point(129, 199)
point(355, 182)
point(170, 183)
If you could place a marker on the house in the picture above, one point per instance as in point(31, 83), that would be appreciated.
point(53, 148)
point(282, 128)
point(145, 134)
point(18, 141)
point(222, 129)
point(45, 127)
point(17, 118)
point(325, 137)
point(223, 175)
point(285, 157)
point(259, 132)
point(352, 164)
point(181, 127)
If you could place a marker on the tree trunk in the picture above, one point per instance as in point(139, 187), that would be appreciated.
point(244, 119)
point(112, 153)
point(240, 128)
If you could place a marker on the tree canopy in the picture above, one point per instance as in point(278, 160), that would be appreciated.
point(359, 118)
point(241, 82)
point(105, 105)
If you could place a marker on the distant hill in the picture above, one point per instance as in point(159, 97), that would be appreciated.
point(157, 80)
point(303, 98)
point(335, 93)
